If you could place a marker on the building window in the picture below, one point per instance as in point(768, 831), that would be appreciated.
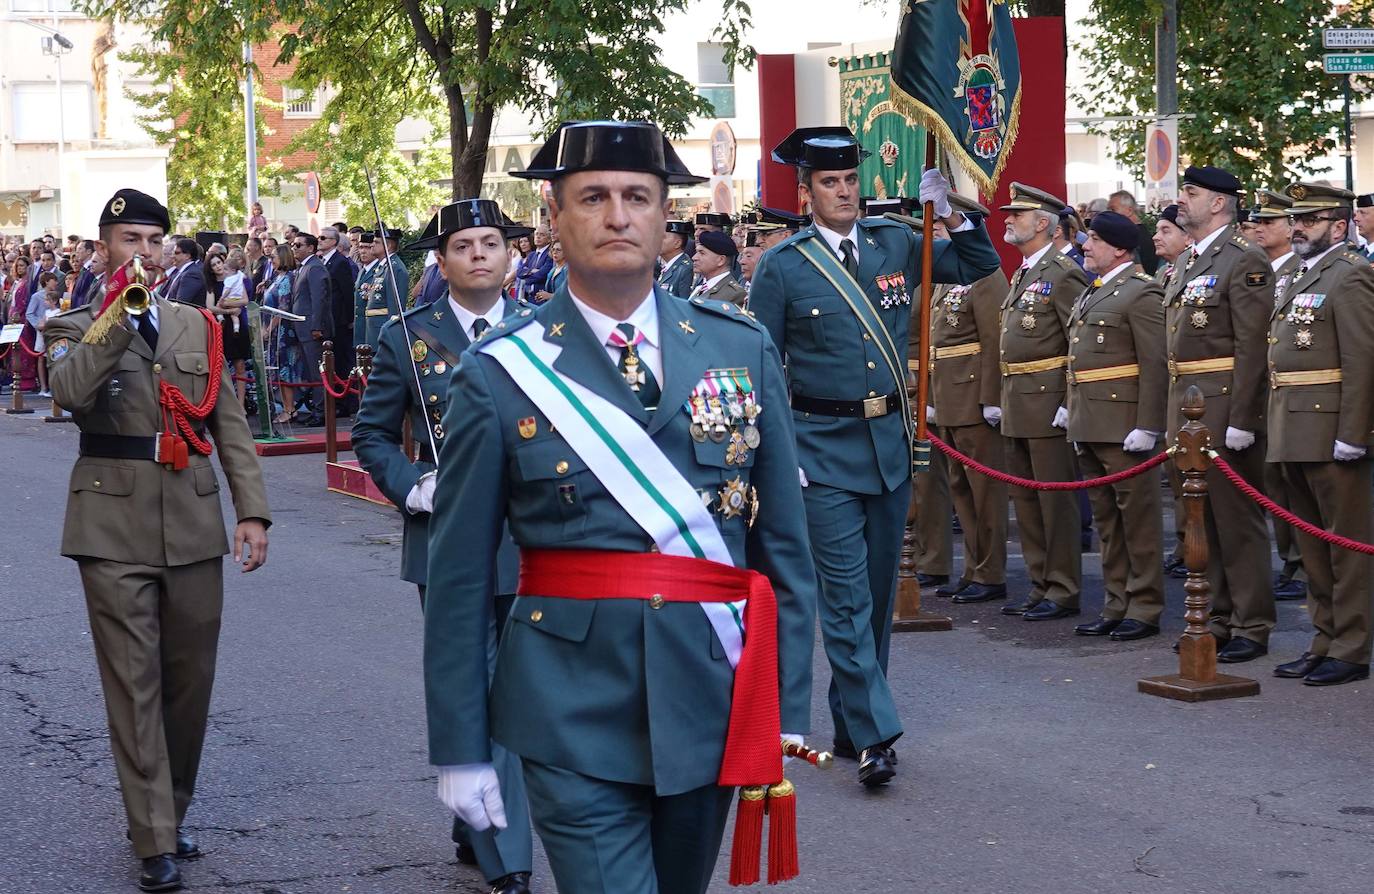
point(41, 6)
point(34, 106)
point(300, 104)
point(715, 79)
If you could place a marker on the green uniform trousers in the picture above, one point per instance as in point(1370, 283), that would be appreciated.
point(1048, 520)
point(856, 540)
point(606, 837)
point(156, 631)
point(1130, 523)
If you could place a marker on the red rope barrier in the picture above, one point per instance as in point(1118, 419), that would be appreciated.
point(1049, 485)
point(1282, 514)
point(27, 350)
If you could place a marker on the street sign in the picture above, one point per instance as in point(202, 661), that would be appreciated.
point(1348, 38)
point(1348, 63)
point(1161, 162)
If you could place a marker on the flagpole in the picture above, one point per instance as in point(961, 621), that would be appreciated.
point(921, 449)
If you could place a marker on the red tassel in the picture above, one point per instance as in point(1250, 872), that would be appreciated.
point(180, 457)
point(165, 452)
point(747, 850)
point(782, 833)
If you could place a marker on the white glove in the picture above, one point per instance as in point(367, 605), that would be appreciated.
point(801, 476)
point(1139, 440)
point(421, 496)
point(792, 739)
point(935, 188)
point(930, 415)
point(1238, 438)
point(1061, 418)
point(1346, 452)
point(473, 794)
point(992, 416)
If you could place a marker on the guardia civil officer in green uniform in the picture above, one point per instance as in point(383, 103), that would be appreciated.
point(366, 283)
point(676, 275)
point(381, 287)
point(410, 377)
point(640, 448)
point(837, 300)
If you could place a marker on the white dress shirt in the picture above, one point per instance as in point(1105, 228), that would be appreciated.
point(466, 317)
point(644, 318)
point(1279, 262)
point(833, 238)
point(1201, 245)
point(710, 284)
point(1035, 258)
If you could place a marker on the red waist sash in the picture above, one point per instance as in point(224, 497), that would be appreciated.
point(753, 752)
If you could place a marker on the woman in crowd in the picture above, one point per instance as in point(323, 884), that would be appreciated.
point(520, 249)
point(227, 297)
point(290, 358)
point(23, 364)
point(557, 275)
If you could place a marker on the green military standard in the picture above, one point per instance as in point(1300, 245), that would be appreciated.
point(410, 378)
point(145, 526)
point(1034, 354)
point(1218, 311)
point(618, 707)
point(1117, 382)
point(837, 300)
point(1321, 410)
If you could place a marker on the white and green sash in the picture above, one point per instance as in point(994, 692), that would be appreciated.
point(626, 461)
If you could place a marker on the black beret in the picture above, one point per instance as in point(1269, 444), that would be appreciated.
point(1170, 213)
point(1213, 178)
point(718, 242)
point(133, 207)
point(1116, 229)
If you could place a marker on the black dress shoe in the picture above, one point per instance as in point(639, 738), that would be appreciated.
point(953, 587)
point(160, 873)
point(187, 849)
point(1049, 610)
point(1174, 567)
point(1241, 649)
point(466, 855)
point(515, 883)
point(1100, 627)
point(980, 593)
point(1020, 608)
point(875, 767)
point(931, 580)
point(1289, 590)
point(845, 750)
point(1333, 672)
point(1300, 667)
point(1130, 629)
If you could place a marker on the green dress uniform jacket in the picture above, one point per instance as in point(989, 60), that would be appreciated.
point(676, 276)
point(618, 690)
point(391, 397)
point(376, 304)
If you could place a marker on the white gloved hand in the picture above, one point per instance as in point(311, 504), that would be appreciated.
point(801, 476)
point(1139, 440)
point(930, 415)
point(473, 794)
point(992, 416)
point(935, 188)
point(421, 496)
point(794, 739)
point(1061, 418)
point(1346, 452)
point(1238, 438)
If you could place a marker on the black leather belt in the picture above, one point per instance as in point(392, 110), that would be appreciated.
point(870, 408)
point(121, 446)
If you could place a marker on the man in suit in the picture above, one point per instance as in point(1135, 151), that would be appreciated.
point(715, 255)
point(145, 526)
point(341, 276)
point(186, 280)
point(619, 706)
point(1034, 354)
point(81, 259)
point(1218, 312)
point(1273, 234)
point(1320, 375)
point(1117, 382)
point(410, 378)
point(534, 272)
point(836, 299)
point(676, 274)
point(310, 299)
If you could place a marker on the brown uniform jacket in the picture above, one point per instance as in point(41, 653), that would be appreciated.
point(138, 511)
point(1324, 322)
point(1284, 275)
point(728, 290)
point(1219, 308)
point(963, 383)
point(1120, 323)
point(1035, 321)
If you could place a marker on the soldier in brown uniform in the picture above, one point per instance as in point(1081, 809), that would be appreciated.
point(1273, 233)
point(1321, 408)
point(1171, 242)
point(1117, 388)
point(966, 402)
point(145, 526)
point(1218, 310)
point(1034, 354)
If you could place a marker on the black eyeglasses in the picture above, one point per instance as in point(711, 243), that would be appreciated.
point(1308, 220)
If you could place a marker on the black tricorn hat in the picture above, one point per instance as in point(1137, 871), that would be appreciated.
point(714, 219)
point(821, 149)
point(787, 219)
point(683, 228)
point(385, 232)
point(608, 146)
point(467, 214)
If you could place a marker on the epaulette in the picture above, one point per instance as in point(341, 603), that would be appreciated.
point(875, 223)
point(1238, 239)
point(1066, 262)
point(1354, 256)
point(727, 309)
point(804, 233)
point(518, 320)
point(1144, 277)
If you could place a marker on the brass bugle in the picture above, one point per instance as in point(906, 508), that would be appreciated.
point(136, 297)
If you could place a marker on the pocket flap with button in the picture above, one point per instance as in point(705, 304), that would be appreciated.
point(192, 362)
point(568, 619)
point(547, 459)
point(115, 481)
point(816, 306)
point(1309, 400)
point(1103, 319)
point(206, 482)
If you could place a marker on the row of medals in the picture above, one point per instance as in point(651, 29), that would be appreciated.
point(1304, 314)
point(732, 418)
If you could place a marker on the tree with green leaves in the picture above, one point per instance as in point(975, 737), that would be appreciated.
point(1249, 75)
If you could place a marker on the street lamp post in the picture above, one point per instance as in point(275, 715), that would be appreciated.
point(59, 45)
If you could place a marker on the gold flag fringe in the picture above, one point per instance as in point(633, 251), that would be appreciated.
point(928, 118)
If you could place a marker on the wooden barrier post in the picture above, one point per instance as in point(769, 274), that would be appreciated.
point(56, 414)
point(17, 407)
point(331, 440)
point(907, 616)
point(1197, 679)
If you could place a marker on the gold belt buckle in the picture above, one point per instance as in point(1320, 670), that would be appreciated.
point(1173, 368)
point(875, 407)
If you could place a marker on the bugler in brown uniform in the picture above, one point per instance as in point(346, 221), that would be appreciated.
point(145, 526)
point(1321, 408)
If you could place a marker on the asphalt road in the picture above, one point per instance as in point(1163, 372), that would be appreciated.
point(1030, 762)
